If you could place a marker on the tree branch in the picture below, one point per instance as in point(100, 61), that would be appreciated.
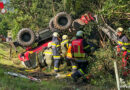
point(122, 13)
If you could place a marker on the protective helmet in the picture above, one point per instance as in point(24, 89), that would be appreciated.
point(55, 34)
point(79, 34)
point(120, 29)
point(65, 37)
point(49, 44)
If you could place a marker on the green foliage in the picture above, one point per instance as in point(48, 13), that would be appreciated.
point(89, 28)
point(102, 67)
point(3, 25)
point(37, 14)
point(29, 14)
point(114, 12)
point(78, 7)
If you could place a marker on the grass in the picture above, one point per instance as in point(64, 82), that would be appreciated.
point(8, 82)
point(15, 83)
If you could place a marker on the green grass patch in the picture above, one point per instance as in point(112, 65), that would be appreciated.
point(8, 82)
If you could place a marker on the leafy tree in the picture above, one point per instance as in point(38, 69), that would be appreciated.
point(36, 14)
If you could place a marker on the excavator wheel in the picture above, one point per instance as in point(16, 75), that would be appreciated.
point(26, 37)
point(51, 24)
point(62, 21)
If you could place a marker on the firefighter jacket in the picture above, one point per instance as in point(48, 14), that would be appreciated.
point(80, 48)
point(64, 47)
point(56, 48)
point(48, 56)
point(123, 43)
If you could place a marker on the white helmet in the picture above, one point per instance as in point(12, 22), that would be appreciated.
point(65, 37)
point(120, 29)
point(55, 34)
point(80, 33)
point(49, 44)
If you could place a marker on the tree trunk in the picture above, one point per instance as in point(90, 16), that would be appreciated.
point(111, 33)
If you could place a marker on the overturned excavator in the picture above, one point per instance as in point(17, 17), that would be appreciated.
point(62, 22)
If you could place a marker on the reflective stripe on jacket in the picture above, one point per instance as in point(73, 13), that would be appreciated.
point(48, 56)
point(124, 43)
point(56, 57)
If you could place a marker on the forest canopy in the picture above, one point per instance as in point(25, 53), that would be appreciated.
point(36, 14)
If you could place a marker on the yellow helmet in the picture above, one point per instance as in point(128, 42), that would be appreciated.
point(65, 37)
point(120, 29)
point(55, 34)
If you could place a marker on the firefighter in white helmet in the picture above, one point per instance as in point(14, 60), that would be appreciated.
point(64, 45)
point(124, 46)
point(64, 49)
point(56, 50)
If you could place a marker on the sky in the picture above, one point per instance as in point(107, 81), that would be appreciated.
point(4, 1)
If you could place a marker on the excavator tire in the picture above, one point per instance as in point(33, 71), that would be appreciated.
point(62, 21)
point(26, 37)
point(51, 24)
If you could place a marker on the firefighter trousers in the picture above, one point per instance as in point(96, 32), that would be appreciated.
point(125, 64)
point(56, 65)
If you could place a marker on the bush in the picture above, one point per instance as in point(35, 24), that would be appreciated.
point(102, 68)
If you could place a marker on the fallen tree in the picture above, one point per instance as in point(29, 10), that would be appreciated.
point(108, 30)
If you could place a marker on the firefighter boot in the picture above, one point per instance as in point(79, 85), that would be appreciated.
point(75, 76)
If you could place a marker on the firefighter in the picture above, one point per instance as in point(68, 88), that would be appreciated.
point(123, 45)
point(80, 49)
point(56, 50)
point(64, 48)
point(64, 45)
point(66, 51)
point(70, 59)
point(48, 55)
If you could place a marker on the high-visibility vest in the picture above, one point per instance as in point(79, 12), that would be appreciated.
point(125, 45)
point(64, 47)
point(69, 53)
point(77, 48)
